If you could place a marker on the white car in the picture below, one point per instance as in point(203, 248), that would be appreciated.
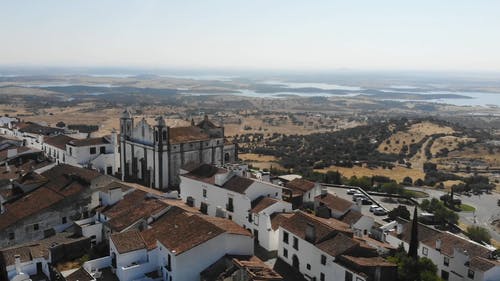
point(351, 191)
point(373, 207)
point(379, 211)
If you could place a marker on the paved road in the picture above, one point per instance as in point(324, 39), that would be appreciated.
point(485, 204)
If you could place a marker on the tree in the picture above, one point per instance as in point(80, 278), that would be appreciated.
point(400, 211)
point(407, 181)
point(442, 214)
point(409, 269)
point(478, 234)
point(413, 249)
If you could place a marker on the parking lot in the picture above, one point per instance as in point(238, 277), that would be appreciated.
point(365, 209)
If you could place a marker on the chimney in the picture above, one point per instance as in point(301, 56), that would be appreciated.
point(220, 179)
point(310, 232)
point(438, 244)
point(324, 192)
point(17, 259)
point(399, 229)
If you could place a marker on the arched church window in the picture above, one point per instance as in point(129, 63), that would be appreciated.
point(156, 135)
point(164, 135)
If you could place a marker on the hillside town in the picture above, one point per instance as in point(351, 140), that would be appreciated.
point(159, 202)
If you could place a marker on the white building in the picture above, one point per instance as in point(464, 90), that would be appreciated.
point(328, 205)
point(248, 202)
point(457, 258)
point(178, 246)
point(96, 153)
point(325, 249)
point(301, 191)
point(154, 155)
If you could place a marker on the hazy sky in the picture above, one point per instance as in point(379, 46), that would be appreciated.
point(253, 34)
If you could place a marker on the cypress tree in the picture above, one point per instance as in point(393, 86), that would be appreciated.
point(413, 249)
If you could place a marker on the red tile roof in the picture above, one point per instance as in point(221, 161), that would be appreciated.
point(58, 141)
point(262, 203)
point(128, 241)
point(277, 219)
point(186, 134)
point(89, 141)
point(334, 202)
point(369, 261)
point(181, 231)
point(300, 185)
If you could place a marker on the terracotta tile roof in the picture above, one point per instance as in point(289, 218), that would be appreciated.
point(128, 241)
point(65, 173)
point(181, 231)
point(129, 201)
point(337, 245)
point(238, 184)
point(351, 217)
point(89, 141)
point(205, 173)
point(227, 225)
point(58, 141)
point(300, 185)
point(369, 261)
point(334, 202)
point(141, 210)
point(262, 203)
point(186, 134)
point(38, 249)
point(483, 264)
point(325, 228)
point(114, 185)
point(28, 205)
point(278, 218)
point(34, 128)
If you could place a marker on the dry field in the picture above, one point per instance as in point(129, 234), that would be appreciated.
point(398, 173)
point(450, 142)
point(415, 134)
point(260, 161)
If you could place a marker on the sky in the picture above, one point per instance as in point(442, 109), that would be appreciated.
point(449, 35)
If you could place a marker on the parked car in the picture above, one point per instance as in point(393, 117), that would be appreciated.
point(366, 201)
point(351, 191)
point(373, 207)
point(379, 212)
point(357, 196)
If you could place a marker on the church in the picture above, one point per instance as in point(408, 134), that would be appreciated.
point(152, 155)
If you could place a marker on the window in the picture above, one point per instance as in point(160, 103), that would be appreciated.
point(323, 259)
point(285, 253)
point(230, 217)
point(424, 251)
point(164, 135)
point(321, 276)
point(204, 208)
point(102, 149)
point(446, 261)
point(92, 150)
point(64, 220)
point(348, 276)
point(204, 193)
point(70, 151)
point(295, 243)
point(445, 275)
point(308, 266)
point(35, 226)
point(285, 237)
point(470, 274)
point(12, 236)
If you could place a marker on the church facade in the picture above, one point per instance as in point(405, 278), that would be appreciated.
point(153, 155)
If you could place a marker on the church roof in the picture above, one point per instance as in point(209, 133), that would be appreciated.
point(187, 134)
